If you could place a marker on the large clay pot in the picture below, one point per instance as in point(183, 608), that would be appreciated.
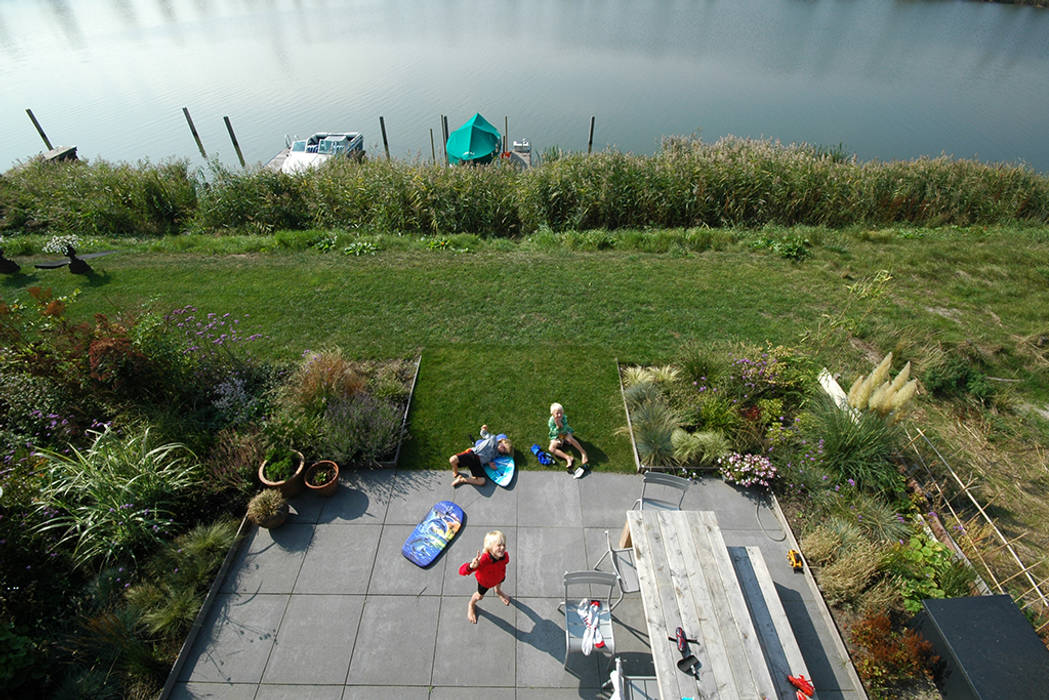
point(328, 487)
point(292, 486)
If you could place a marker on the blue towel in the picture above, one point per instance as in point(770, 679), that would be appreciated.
point(545, 458)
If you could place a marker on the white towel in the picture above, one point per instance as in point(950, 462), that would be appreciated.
point(589, 611)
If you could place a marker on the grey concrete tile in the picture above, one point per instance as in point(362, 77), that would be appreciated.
point(299, 692)
point(605, 498)
point(541, 648)
point(305, 508)
point(736, 508)
point(340, 559)
point(548, 498)
point(413, 493)
point(475, 655)
point(315, 639)
point(488, 506)
point(386, 692)
point(559, 693)
point(827, 669)
point(269, 560)
point(201, 691)
point(395, 641)
point(395, 575)
point(629, 626)
point(362, 496)
point(464, 693)
point(236, 639)
point(465, 547)
point(544, 555)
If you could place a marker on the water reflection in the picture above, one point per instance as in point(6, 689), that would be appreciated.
point(889, 79)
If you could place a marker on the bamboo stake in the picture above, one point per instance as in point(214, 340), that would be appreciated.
point(1012, 552)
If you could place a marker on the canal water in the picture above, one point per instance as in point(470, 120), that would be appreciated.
point(885, 79)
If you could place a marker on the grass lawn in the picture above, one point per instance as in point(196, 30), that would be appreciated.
point(506, 329)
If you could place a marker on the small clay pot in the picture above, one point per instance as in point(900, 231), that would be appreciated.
point(328, 487)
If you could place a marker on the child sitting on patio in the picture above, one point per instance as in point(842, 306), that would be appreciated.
point(474, 459)
point(490, 570)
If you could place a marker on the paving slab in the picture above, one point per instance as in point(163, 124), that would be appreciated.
point(396, 640)
point(340, 558)
point(269, 560)
point(476, 655)
point(237, 638)
point(548, 498)
point(315, 640)
point(300, 692)
point(544, 555)
point(386, 692)
point(220, 691)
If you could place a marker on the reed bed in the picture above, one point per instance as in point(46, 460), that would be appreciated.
point(731, 183)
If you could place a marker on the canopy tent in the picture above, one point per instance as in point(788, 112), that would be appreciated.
point(476, 141)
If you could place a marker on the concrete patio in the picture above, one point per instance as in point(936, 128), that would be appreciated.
point(325, 607)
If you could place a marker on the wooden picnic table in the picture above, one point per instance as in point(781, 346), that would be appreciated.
point(687, 579)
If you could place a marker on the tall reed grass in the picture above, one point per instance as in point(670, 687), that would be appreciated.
point(688, 183)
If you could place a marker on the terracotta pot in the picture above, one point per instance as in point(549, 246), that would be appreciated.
point(327, 488)
point(277, 519)
point(291, 486)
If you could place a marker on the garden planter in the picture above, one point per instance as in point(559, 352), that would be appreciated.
point(320, 468)
point(275, 520)
point(292, 486)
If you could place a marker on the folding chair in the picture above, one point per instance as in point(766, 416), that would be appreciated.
point(586, 587)
point(659, 490)
point(623, 565)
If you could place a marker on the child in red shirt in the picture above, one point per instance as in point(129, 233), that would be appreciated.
point(490, 570)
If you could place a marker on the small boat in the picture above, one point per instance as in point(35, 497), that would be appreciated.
point(476, 141)
point(521, 155)
point(303, 154)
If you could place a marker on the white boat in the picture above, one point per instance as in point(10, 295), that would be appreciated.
point(303, 154)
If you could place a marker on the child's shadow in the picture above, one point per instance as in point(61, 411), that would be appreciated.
point(546, 635)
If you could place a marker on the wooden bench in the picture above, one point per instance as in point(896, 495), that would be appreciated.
point(780, 647)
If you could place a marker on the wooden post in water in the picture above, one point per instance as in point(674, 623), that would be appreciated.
point(39, 129)
point(193, 130)
point(385, 143)
point(233, 138)
point(590, 141)
point(433, 150)
point(506, 134)
point(444, 126)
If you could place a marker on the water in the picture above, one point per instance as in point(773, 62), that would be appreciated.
point(885, 79)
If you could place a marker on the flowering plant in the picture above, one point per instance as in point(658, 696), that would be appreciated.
point(58, 244)
point(747, 470)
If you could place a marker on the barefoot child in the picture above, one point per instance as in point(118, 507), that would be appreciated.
point(561, 436)
point(490, 569)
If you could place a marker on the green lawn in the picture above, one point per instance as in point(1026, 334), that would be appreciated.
point(503, 332)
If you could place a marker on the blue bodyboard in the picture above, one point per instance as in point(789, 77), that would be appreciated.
point(503, 473)
point(432, 535)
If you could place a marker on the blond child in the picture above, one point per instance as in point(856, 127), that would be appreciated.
point(488, 448)
point(490, 569)
point(561, 435)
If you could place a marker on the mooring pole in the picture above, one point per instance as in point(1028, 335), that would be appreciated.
point(193, 130)
point(385, 143)
point(590, 141)
point(444, 126)
point(506, 134)
point(39, 129)
point(233, 138)
point(433, 150)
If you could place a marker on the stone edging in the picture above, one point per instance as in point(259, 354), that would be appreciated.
point(821, 604)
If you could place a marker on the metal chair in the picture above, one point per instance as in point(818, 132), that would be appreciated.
point(659, 491)
point(623, 565)
point(626, 687)
point(583, 587)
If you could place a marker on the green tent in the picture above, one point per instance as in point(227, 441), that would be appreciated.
point(476, 141)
